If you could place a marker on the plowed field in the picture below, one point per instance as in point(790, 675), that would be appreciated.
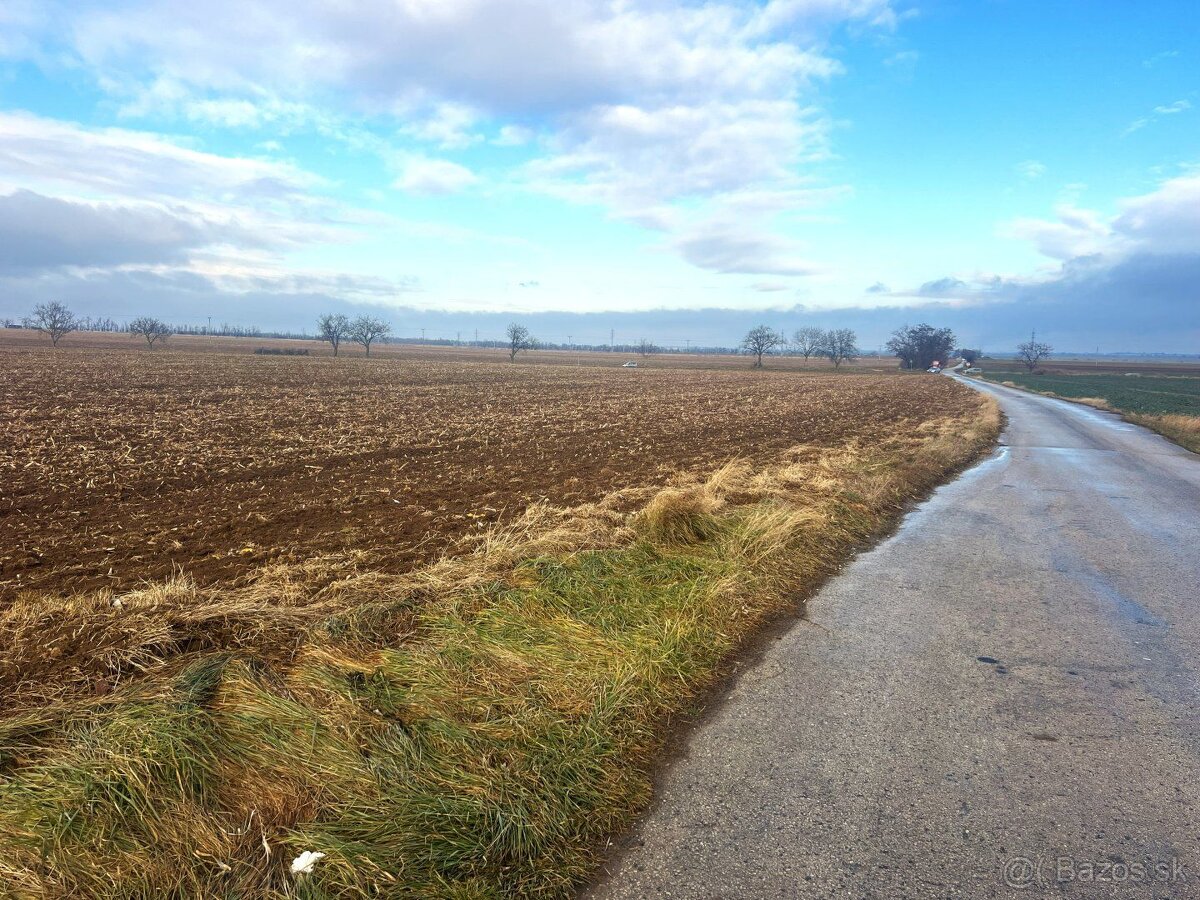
point(122, 465)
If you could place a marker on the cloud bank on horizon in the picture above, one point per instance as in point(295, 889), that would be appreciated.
point(675, 166)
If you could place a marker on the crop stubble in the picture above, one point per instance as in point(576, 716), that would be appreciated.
point(119, 466)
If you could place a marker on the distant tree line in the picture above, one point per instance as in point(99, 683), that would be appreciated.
point(915, 346)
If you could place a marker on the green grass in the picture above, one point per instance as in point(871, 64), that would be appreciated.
point(477, 730)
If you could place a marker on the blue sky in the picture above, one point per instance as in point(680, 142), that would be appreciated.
point(1000, 165)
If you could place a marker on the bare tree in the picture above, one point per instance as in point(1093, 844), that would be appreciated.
point(839, 345)
point(7, 323)
point(151, 329)
point(519, 339)
point(333, 328)
point(53, 319)
point(808, 340)
point(645, 348)
point(366, 330)
point(760, 340)
point(1033, 352)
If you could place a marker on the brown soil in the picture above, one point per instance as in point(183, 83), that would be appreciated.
point(119, 465)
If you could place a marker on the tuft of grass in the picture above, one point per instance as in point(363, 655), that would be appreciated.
point(479, 728)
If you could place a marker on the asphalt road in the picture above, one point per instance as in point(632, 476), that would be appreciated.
point(1001, 700)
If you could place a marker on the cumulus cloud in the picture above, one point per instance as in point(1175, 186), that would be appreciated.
point(1166, 220)
point(639, 104)
point(878, 288)
point(422, 175)
point(38, 232)
point(119, 162)
point(630, 156)
point(949, 286)
point(85, 210)
point(1075, 232)
point(513, 136)
point(1133, 273)
point(1031, 169)
point(727, 248)
point(499, 55)
point(449, 125)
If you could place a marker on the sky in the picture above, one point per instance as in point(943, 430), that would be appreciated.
point(675, 171)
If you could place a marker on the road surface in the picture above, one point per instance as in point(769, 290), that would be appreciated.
point(998, 701)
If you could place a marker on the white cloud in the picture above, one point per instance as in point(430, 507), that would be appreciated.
point(39, 232)
point(422, 175)
point(84, 207)
point(115, 162)
point(514, 136)
point(1165, 221)
point(733, 248)
point(627, 157)
point(640, 104)
point(1031, 169)
point(449, 125)
point(1169, 109)
point(496, 55)
point(903, 59)
point(1157, 58)
point(21, 21)
point(1076, 232)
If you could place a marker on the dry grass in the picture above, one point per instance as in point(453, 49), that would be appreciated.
point(1183, 430)
point(474, 728)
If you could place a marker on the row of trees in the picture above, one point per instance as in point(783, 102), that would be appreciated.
point(838, 345)
point(56, 321)
point(916, 346)
point(335, 328)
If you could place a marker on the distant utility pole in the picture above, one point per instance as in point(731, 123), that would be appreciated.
point(612, 339)
point(687, 345)
point(477, 335)
point(569, 341)
point(458, 337)
point(422, 334)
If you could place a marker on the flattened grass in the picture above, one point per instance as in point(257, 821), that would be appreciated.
point(477, 729)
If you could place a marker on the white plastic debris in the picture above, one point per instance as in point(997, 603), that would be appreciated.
point(117, 604)
point(303, 864)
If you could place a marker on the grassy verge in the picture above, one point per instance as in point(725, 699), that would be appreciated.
point(1169, 405)
point(474, 729)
